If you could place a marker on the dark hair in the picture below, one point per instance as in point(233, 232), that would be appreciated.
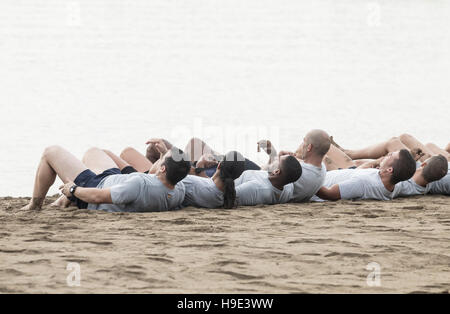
point(291, 169)
point(404, 167)
point(231, 168)
point(435, 169)
point(177, 166)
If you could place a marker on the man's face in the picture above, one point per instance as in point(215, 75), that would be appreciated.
point(304, 148)
point(388, 160)
point(281, 160)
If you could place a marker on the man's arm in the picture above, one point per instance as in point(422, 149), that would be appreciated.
point(89, 195)
point(206, 161)
point(371, 164)
point(329, 194)
point(94, 195)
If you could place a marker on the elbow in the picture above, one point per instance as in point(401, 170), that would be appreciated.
point(98, 198)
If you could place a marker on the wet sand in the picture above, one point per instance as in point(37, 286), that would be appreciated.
point(292, 248)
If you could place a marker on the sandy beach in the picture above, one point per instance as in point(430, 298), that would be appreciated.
point(292, 248)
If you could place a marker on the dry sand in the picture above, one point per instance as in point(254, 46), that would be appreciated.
point(317, 248)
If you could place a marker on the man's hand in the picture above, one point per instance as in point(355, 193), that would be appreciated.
point(159, 145)
point(285, 152)
point(266, 145)
point(207, 161)
point(65, 189)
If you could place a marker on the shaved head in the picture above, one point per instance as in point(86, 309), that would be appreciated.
point(320, 141)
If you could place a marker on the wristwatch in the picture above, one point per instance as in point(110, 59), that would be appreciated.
point(72, 189)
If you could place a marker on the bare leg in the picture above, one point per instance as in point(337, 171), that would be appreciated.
point(136, 159)
point(55, 161)
point(196, 148)
point(330, 164)
point(413, 144)
point(97, 161)
point(436, 150)
point(378, 150)
point(120, 163)
point(337, 158)
point(359, 162)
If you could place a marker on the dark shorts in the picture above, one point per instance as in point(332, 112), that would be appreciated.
point(130, 169)
point(88, 179)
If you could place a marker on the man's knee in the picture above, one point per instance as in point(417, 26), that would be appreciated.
point(394, 140)
point(405, 137)
point(126, 151)
point(91, 151)
point(51, 151)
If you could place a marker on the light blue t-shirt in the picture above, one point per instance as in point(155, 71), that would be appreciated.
point(357, 184)
point(310, 182)
point(253, 187)
point(441, 186)
point(139, 192)
point(409, 188)
point(202, 192)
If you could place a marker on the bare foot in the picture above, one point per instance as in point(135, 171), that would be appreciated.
point(35, 204)
point(26, 207)
point(63, 202)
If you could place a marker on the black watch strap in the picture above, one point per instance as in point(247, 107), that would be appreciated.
point(72, 189)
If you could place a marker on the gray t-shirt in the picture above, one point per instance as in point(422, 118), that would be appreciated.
point(202, 192)
point(139, 192)
point(310, 182)
point(441, 186)
point(409, 188)
point(357, 184)
point(253, 187)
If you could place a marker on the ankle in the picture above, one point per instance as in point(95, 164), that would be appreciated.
point(37, 202)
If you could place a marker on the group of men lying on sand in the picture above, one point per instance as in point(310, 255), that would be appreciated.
point(167, 178)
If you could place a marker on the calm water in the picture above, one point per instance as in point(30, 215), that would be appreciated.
point(114, 73)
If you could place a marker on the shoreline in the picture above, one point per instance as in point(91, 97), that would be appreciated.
point(288, 248)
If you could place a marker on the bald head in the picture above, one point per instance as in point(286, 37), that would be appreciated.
point(320, 141)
